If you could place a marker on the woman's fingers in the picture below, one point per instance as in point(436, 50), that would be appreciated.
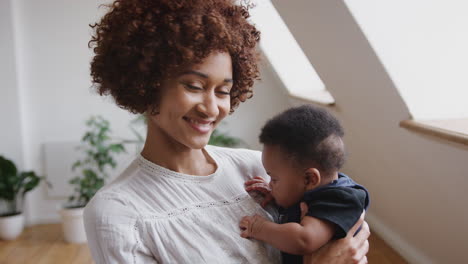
point(360, 243)
point(356, 226)
point(361, 252)
point(352, 249)
point(363, 234)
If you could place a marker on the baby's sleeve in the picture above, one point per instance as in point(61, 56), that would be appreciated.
point(340, 206)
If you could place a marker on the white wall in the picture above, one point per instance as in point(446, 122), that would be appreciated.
point(54, 84)
point(10, 128)
point(417, 183)
point(422, 44)
point(269, 99)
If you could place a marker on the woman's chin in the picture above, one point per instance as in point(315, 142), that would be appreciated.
point(198, 144)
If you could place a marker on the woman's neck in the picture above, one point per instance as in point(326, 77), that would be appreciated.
point(163, 150)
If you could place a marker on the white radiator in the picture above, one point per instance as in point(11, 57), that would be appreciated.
point(59, 158)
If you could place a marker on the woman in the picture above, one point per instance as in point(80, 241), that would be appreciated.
point(185, 64)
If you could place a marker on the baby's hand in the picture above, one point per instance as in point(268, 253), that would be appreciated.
point(258, 184)
point(251, 225)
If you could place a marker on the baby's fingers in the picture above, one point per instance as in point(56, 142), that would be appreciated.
point(244, 226)
point(244, 220)
point(244, 233)
point(254, 181)
point(258, 187)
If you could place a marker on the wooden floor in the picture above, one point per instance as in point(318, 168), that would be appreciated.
point(44, 244)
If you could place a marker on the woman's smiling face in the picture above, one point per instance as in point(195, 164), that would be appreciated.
point(193, 103)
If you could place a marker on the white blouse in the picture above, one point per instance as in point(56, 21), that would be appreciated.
point(150, 214)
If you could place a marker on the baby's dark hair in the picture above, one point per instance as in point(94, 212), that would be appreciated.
point(310, 135)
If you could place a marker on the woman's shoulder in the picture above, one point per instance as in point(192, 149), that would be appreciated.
point(242, 155)
point(107, 205)
point(247, 161)
point(111, 200)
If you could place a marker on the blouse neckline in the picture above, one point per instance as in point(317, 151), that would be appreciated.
point(159, 171)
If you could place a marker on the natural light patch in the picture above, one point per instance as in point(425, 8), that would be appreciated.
point(286, 56)
point(424, 51)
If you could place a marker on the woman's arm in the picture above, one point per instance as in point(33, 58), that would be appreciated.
point(293, 238)
point(348, 250)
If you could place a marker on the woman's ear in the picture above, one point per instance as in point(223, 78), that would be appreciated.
point(312, 178)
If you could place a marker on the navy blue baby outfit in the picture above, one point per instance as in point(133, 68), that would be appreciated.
point(341, 202)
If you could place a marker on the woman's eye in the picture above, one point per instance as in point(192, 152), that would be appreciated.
point(193, 87)
point(223, 92)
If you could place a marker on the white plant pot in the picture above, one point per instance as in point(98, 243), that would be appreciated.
point(11, 226)
point(72, 224)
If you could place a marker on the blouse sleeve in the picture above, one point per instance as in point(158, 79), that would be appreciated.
point(114, 233)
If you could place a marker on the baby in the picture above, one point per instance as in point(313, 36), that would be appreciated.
point(303, 151)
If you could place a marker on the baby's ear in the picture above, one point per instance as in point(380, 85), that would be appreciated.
point(312, 178)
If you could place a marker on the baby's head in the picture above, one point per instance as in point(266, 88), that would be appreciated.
point(303, 149)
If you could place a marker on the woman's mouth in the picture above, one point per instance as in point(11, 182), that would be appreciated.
point(202, 126)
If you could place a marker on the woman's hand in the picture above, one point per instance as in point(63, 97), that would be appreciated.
point(350, 249)
point(258, 184)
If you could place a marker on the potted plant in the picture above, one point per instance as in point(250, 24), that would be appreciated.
point(98, 150)
point(13, 187)
point(223, 140)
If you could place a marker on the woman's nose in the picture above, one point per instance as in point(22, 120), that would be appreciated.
point(209, 105)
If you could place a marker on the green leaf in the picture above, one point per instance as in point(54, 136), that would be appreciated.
point(77, 164)
point(117, 148)
point(31, 180)
point(221, 139)
point(7, 167)
point(99, 150)
point(14, 183)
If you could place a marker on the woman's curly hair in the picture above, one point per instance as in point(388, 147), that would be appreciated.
point(140, 43)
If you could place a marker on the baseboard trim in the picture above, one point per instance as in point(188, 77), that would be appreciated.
point(407, 251)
